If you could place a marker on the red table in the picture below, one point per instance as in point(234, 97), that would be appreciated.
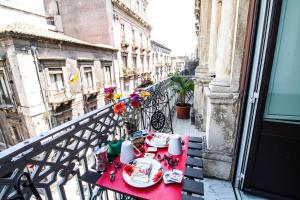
point(158, 191)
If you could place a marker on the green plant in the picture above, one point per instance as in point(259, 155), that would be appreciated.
point(182, 86)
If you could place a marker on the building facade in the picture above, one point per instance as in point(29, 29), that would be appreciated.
point(161, 61)
point(47, 78)
point(221, 28)
point(178, 63)
point(120, 23)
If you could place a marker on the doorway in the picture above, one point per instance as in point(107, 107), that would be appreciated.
point(269, 162)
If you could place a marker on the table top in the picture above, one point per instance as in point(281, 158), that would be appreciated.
point(158, 191)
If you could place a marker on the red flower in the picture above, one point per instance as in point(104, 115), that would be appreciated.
point(128, 169)
point(109, 96)
point(157, 176)
point(149, 137)
point(119, 108)
point(135, 104)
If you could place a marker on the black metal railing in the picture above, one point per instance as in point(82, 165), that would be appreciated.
point(61, 155)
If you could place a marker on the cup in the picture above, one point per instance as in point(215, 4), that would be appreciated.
point(175, 147)
point(127, 152)
point(114, 147)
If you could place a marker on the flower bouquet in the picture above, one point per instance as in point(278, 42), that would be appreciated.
point(109, 93)
point(129, 108)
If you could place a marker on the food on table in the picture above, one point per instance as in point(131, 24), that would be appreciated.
point(128, 169)
point(141, 171)
point(152, 149)
point(159, 139)
point(157, 176)
point(149, 155)
point(149, 137)
point(160, 157)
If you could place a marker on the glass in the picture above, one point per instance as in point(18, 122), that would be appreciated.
point(283, 99)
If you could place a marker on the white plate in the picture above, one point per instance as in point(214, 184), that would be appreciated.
point(156, 166)
point(155, 145)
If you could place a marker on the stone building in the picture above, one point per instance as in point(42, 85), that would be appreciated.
point(46, 78)
point(178, 63)
point(119, 23)
point(247, 94)
point(161, 61)
point(220, 27)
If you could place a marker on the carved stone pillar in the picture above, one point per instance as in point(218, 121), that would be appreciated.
point(222, 96)
point(202, 76)
point(214, 33)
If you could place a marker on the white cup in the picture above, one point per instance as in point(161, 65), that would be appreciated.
point(175, 147)
point(127, 152)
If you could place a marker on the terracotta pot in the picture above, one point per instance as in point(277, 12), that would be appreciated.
point(183, 110)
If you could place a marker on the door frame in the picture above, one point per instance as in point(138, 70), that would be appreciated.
point(256, 87)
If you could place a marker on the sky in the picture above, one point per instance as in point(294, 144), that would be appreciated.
point(173, 24)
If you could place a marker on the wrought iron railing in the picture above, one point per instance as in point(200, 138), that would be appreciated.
point(61, 155)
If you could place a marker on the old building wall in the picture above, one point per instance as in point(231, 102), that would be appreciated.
point(217, 98)
point(77, 18)
point(132, 39)
point(28, 62)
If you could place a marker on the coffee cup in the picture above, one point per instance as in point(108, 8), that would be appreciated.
point(127, 152)
point(175, 147)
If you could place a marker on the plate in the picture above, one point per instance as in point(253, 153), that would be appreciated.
point(156, 166)
point(155, 145)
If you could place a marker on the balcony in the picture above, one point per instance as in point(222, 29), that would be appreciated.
point(125, 41)
point(134, 46)
point(56, 97)
point(90, 91)
point(59, 157)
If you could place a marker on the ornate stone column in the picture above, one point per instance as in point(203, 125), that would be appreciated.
point(222, 96)
point(214, 33)
point(202, 76)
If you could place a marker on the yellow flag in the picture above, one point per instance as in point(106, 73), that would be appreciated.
point(74, 78)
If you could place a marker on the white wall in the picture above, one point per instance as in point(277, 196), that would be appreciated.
point(27, 11)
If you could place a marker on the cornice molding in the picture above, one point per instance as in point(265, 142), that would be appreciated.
point(131, 13)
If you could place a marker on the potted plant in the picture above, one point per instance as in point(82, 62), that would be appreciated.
point(182, 87)
point(145, 83)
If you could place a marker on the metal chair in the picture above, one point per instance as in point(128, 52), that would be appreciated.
point(156, 112)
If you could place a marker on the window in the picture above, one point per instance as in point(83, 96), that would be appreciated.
point(4, 96)
point(134, 63)
point(141, 39)
point(147, 39)
point(88, 77)
point(108, 78)
point(137, 5)
point(133, 35)
point(122, 31)
point(124, 60)
point(148, 63)
point(126, 86)
point(142, 61)
point(50, 21)
point(15, 134)
point(56, 79)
